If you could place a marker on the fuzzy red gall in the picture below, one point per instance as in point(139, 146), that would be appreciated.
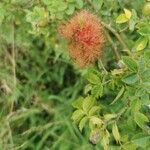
point(85, 36)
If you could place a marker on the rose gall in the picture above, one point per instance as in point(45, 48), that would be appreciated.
point(85, 37)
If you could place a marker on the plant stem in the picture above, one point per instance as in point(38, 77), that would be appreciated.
point(13, 60)
point(118, 36)
point(118, 57)
point(103, 66)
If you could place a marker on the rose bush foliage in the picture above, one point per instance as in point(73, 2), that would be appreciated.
point(49, 102)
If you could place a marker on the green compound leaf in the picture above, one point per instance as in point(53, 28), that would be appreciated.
point(83, 123)
point(136, 105)
point(147, 56)
point(141, 140)
point(140, 119)
point(78, 103)
point(96, 121)
point(108, 117)
point(105, 140)
point(98, 4)
point(97, 90)
point(121, 19)
point(79, 4)
point(116, 133)
point(88, 103)
point(141, 43)
point(146, 86)
point(133, 20)
point(71, 9)
point(119, 95)
point(77, 115)
point(94, 110)
point(131, 64)
point(93, 78)
point(62, 6)
point(143, 28)
point(87, 88)
point(130, 79)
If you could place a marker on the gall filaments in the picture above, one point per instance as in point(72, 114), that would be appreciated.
point(85, 37)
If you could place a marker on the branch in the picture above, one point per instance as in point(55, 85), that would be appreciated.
point(113, 46)
point(118, 36)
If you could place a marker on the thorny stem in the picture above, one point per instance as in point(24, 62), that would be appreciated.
point(112, 30)
point(118, 36)
point(13, 60)
point(113, 45)
point(103, 67)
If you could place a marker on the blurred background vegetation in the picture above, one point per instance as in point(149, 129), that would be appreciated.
point(38, 81)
